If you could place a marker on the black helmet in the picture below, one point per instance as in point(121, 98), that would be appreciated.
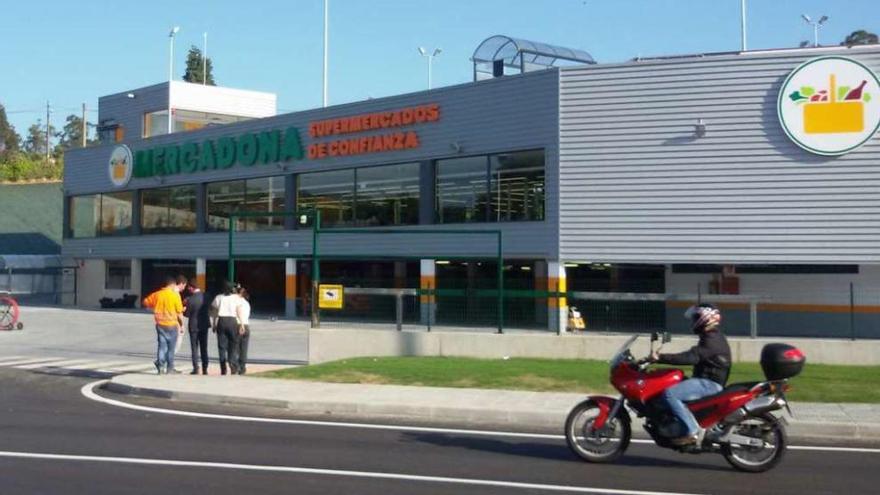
point(703, 316)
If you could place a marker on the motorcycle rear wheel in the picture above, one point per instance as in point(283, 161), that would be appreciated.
point(758, 460)
point(605, 445)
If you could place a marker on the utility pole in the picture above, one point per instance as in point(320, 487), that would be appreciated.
point(326, 13)
point(85, 128)
point(47, 130)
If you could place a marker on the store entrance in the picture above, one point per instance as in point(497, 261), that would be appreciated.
point(264, 280)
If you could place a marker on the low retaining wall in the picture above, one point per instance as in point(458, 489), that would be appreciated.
point(332, 345)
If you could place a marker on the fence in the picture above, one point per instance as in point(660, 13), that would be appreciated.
point(37, 279)
point(604, 312)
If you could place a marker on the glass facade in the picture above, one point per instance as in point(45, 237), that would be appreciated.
point(503, 187)
point(223, 199)
point(388, 195)
point(117, 275)
point(116, 213)
point(85, 213)
point(330, 192)
point(506, 187)
point(517, 186)
point(264, 195)
point(462, 190)
point(156, 123)
point(168, 210)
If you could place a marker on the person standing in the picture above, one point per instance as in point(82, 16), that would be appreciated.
point(180, 284)
point(225, 325)
point(244, 330)
point(168, 314)
point(198, 322)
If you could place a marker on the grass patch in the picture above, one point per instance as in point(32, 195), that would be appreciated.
point(818, 382)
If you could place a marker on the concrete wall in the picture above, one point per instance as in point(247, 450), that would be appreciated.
point(332, 345)
point(90, 283)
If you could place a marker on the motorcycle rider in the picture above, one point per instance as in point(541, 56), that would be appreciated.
point(711, 361)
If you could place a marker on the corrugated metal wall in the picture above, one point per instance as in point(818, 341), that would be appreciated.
point(127, 112)
point(637, 185)
point(506, 114)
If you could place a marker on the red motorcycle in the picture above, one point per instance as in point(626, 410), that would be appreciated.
point(738, 420)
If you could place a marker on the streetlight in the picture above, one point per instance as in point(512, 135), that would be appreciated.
point(816, 25)
point(430, 57)
point(171, 34)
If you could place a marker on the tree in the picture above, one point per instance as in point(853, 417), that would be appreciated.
point(860, 37)
point(8, 137)
point(35, 141)
point(71, 133)
point(195, 63)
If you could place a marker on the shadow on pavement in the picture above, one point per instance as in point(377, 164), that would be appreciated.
point(547, 451)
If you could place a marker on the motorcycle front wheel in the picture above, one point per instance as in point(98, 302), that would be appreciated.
point(758, 459)
point(605, 444)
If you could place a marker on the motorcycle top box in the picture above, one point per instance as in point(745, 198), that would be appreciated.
point(781, 361)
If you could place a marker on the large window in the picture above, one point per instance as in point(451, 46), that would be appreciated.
point(168, 210)
point(462, 189)
point(330, 192)
point(118, 275)
point(156, 123)
point(388, 195)
point(497, 188)
point(264, 195)
point(116, 213)
point(517, 186)
point(85, 215)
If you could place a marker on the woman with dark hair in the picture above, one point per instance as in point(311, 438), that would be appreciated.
point(244, 332)
point(225, 325)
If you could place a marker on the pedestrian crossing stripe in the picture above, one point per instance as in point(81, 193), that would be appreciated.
point(62, 363)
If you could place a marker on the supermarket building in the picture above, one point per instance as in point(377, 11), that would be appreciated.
point(664, 175)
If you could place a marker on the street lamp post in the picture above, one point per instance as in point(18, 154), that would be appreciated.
point(205, 61)
point(326, 43)
point(171, 34)
point(816, 25)
point(430, 56)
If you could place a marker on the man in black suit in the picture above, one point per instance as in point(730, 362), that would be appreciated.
point(198, 323)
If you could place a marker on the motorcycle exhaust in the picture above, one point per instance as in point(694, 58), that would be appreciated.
point(754, 408)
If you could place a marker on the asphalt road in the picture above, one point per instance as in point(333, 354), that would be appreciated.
point(146, 452)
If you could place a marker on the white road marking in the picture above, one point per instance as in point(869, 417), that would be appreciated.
point(32, 360)
point(135, 367)
point(61, 363)
point(88, 390)
point(9, 358)
point(329, 472)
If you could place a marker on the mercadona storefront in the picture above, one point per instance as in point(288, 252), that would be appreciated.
point(751, 179)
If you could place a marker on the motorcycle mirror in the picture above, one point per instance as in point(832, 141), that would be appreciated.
point(667, 337)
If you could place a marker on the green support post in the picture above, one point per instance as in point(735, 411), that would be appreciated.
point(500, 285)
point(316, 270)
point(230, 268)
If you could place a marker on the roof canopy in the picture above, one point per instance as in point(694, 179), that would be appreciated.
point(525, 55)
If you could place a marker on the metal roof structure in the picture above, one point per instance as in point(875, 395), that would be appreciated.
point(523, 55)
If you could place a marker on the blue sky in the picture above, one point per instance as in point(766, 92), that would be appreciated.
point(70, 52)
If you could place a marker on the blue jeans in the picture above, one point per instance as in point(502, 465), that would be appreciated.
point(167, 339)
point(690, 389)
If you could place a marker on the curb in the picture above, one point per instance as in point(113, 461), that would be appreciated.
point(467, 417)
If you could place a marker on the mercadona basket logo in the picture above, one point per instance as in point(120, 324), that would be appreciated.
point(830, 105)
point(120, 166)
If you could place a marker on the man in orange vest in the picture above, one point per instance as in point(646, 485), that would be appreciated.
point(168, 313)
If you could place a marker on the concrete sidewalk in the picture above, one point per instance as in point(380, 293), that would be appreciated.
point(542, 412)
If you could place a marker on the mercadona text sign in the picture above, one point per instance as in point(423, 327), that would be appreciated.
point(212, 154)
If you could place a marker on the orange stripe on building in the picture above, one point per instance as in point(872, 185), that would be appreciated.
point(557, 285)
point(794, 308)
point(427, 282)
point(290, 286)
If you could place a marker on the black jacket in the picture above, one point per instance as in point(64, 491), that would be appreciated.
point(710, 357)
point(197, 312)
